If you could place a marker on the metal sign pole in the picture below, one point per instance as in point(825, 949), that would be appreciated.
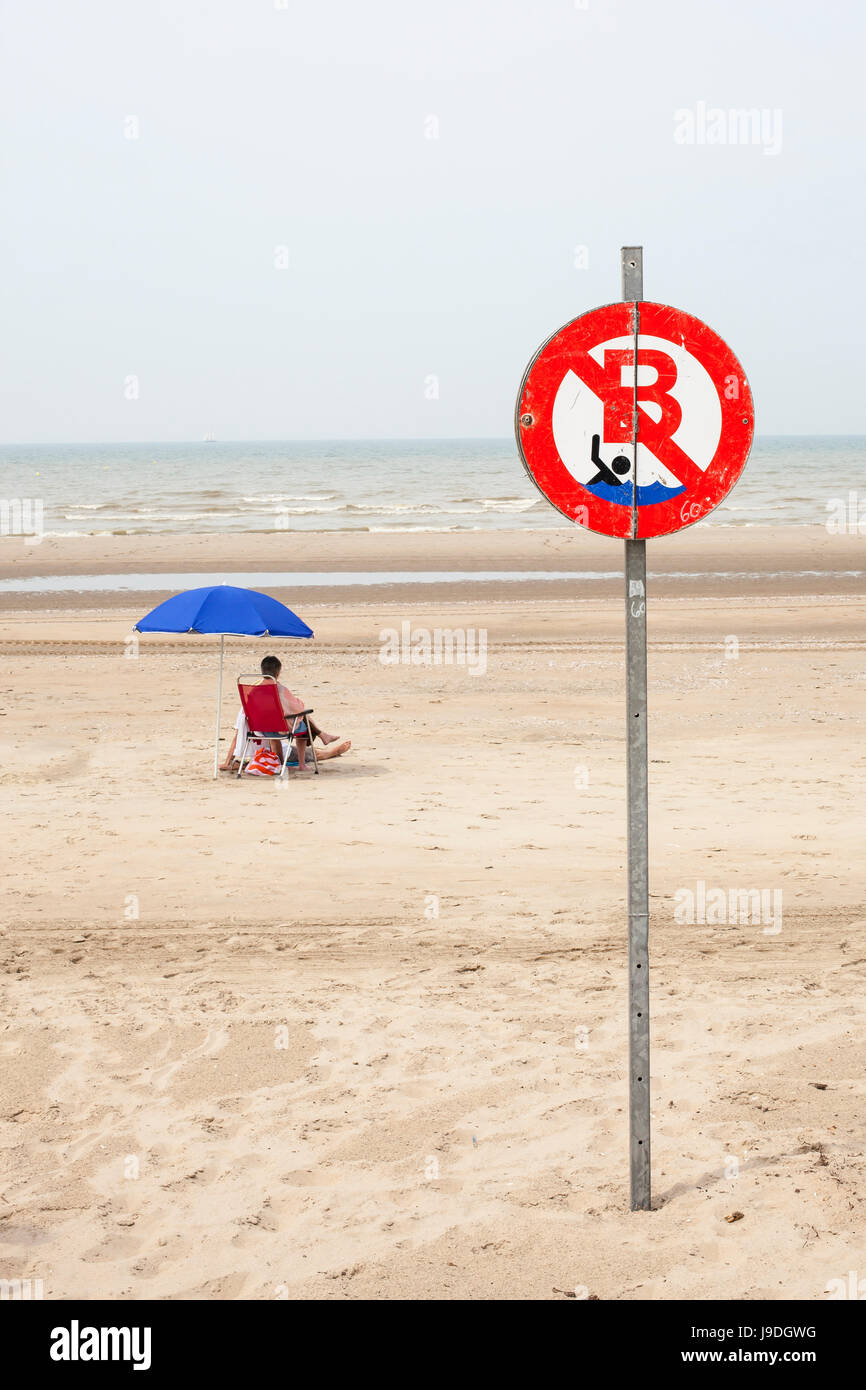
point(636, 773)
point(563, 465)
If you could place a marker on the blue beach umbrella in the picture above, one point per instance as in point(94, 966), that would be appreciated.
point(224, 611)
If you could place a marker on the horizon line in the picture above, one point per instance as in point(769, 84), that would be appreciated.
point(356, 439)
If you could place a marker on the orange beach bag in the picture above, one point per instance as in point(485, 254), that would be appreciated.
point(264, 764)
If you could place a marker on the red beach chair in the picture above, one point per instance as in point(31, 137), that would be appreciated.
point(263, 708)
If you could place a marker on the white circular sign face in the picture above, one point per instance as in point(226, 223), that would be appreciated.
point(578, 416)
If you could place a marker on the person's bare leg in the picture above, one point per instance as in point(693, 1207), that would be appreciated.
point(320, 733)
point(335, 752)
point(301, 746)
point(230, 755)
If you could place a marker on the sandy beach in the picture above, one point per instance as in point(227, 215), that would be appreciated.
point(364, 1036)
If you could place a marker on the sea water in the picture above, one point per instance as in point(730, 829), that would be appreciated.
point(372, 485)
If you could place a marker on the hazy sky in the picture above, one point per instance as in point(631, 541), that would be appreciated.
point(432, 169)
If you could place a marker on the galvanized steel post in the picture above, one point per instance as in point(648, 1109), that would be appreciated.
point(636, 776)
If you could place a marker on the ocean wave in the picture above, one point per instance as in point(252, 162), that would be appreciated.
point(510, 504)
point(478, 507)
point(294, 497)
point(196, 508)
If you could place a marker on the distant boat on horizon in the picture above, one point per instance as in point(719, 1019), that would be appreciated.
point(209, 439)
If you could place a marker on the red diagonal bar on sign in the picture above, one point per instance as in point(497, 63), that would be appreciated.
point(603, 383)
point(668, 453)
point(590, 373)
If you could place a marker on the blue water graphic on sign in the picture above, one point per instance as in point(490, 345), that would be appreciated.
point(622, 494)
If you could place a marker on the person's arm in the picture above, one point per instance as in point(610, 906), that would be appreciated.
point(291, 703)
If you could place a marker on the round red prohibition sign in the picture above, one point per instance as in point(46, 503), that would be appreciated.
point(634, 420)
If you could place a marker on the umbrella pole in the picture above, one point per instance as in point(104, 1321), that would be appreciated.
point(216, 747)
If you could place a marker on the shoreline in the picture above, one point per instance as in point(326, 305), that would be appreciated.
point(779, 622)
point(703, 561)
point(434, 596)
point(569, 548)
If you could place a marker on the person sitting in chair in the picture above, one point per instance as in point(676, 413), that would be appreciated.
point(272, 666)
